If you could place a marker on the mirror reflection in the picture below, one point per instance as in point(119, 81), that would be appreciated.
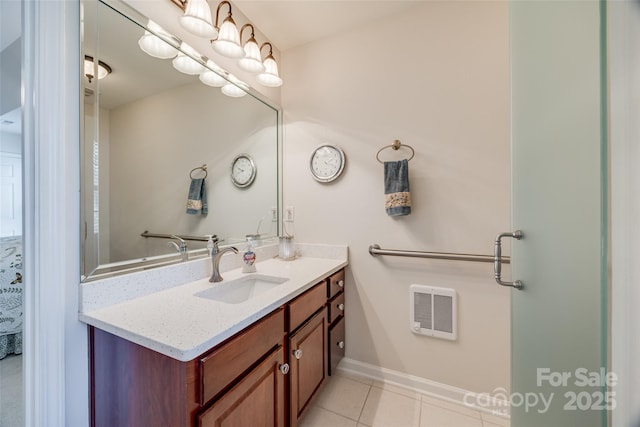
point(165, 154)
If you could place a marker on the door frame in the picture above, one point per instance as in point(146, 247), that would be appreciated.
point(55, 358)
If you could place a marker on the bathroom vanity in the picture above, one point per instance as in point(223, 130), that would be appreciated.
point(256, 362)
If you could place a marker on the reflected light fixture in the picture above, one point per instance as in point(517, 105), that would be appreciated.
point(252, 61)
point(270, 75)
point(157, 42)
point(184, 61)
point(212, 78)
point(235, 88)
point(89, 68)
point(228, 41)
point(197, 19)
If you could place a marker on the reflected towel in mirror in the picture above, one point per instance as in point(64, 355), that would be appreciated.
point(197, 200)
point(396, 188)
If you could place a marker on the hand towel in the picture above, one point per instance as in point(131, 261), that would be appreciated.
point(197, 200)
point(396, 188)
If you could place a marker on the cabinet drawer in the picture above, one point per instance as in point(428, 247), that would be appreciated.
point(335, 284)
point(227, 362)
point(257, 400)
point(303, 307)
point(336, 307)
point(336, 345)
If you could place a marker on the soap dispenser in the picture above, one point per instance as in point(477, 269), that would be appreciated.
point(210, 244)
point(249, 258)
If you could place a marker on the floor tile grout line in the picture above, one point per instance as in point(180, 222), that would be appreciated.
point(458, 411)
point(364, 404)
point(418, 398)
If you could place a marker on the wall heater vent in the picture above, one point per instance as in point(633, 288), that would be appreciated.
point(434, 311)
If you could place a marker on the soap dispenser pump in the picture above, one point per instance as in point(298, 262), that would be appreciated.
point(249, 258)
point(210, 243)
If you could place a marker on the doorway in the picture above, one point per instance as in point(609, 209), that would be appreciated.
point(11, 230)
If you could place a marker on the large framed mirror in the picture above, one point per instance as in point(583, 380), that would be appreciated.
point(148, 132)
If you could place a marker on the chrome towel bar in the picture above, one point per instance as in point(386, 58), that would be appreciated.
point(376, 250)
point(172, 236)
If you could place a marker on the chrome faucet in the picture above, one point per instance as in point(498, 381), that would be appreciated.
point(182, 248)
point(216, 254)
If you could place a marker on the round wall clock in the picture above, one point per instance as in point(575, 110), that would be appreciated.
point(243, 171)
point(327, 163)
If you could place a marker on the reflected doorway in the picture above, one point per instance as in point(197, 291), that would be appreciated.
point(11, 202)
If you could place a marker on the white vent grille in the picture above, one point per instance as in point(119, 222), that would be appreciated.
point(434, 311)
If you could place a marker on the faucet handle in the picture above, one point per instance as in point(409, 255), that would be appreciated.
point(178, 238)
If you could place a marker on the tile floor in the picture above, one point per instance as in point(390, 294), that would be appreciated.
point(11, 402)
point(352, 401)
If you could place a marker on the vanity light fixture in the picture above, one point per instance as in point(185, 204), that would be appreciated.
point(197, 19)
point(235, 88)
point(158, 43)
point(89, 68)
point(228, 41)
point(185, 63)
point(213, 78)
point(269, 77)
point(252, 61)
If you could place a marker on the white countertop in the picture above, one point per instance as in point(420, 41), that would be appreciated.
point(179, 324)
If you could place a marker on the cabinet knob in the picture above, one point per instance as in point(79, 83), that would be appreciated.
point(341, 344)
point(341, 307)
point(341, 283)
point(284, 368)
point(297, 353)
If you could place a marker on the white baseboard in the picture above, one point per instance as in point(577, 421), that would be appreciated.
point(483, 402)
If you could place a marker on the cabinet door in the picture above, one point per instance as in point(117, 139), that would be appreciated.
point(258, 400)
point(308, 363)
point(336, 345)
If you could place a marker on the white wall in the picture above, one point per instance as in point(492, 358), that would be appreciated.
point(436, 78)
point(11, 142)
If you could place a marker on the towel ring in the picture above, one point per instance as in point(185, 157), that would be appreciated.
point(396, 146)
point(202, 168)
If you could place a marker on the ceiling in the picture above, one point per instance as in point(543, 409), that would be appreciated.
point(291, 23)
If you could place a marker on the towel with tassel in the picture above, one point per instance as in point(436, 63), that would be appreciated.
point(197, 200)
point(396, 188)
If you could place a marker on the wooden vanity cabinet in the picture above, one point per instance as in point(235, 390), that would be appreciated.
point(336, 309)
point(308, 362)
point(264, 376)
point(257, 400)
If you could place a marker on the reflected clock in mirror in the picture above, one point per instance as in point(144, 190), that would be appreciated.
point(243, 171)
point(147, 129)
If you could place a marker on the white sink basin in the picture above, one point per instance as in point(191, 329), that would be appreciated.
point(241, 289)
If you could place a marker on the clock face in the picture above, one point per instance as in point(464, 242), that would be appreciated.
point(243, 171)
point(327, 163)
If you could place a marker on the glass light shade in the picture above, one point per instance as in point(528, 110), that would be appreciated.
point(212, 78)
point(154, 46)
point(184, 63)
point(197, 19)
point(89, 71)
point(252, 62)
point(234, 87)
point(270, 76)
point(228, 41)
point(157, 42)
point(233, 91)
